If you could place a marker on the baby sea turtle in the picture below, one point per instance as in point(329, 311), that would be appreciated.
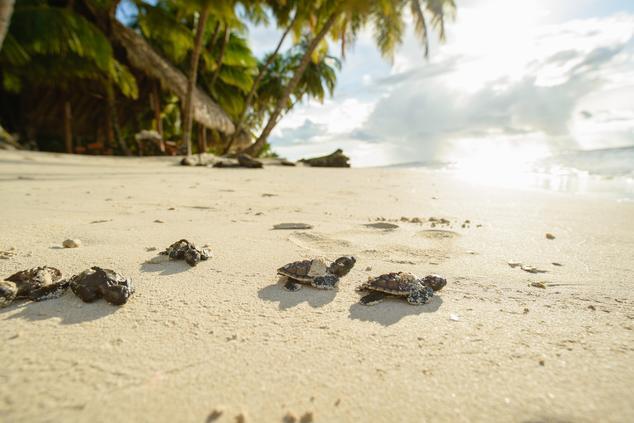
point(417, 291)
point(185, 250)
point(95, 283)
point(317, 272)
point(36, 284)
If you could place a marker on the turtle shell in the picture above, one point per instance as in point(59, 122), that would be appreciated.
point(95, 283)
point(401, 284)
point(34, 278)
point(305, 270)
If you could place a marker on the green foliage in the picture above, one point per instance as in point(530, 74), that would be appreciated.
point(67, 48)
point(164, 29)
point(50, 44)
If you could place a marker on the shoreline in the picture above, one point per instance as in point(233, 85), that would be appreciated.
point(224, 335)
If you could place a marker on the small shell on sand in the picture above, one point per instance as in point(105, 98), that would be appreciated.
point(287, 226)
point(531, 269)
point(71, 243)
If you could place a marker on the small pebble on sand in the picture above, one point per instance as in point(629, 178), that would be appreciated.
point(71, 243)
point(382, 225)
point(307, 418)
point(550, 236)
point(7, 254)
point(541, 285)
point(290, 226)
point(213, 416)
point(158, 221)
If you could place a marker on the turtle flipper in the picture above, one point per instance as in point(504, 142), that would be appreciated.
point(292, 285)
point(325, 282)
point(372, 298)
point(421, 296)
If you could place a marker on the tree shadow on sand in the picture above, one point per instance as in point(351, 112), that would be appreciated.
point(392, 310)
point(70, 309)
point(314, 297)
point(167, 268)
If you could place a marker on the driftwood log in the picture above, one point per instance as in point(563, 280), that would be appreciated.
point(336, 159)
point(247, 161)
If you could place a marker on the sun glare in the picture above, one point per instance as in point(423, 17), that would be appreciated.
point(497, 162)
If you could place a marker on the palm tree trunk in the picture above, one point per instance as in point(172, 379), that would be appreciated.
point(191, 83)
point(114, 120)
point(155, 103)
point(221, 56)
point(256, 148)
point(202, 147)
point(6, 10)
point(256, 84)
point(68, 127)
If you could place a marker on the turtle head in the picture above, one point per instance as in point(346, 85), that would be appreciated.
point(342, 265)
point(435, 282)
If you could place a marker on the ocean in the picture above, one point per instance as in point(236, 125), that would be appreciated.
point(606, 172)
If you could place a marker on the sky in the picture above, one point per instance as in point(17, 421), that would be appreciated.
point(514, 79)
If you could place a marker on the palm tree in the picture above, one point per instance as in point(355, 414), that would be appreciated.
point(344, 19)
point(226, 65)
point(6, 9)
point(193, 75)
point(282, 13)
point(327, 15)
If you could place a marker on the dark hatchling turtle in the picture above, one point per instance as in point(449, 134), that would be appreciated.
point(185, 250)
point(318, 273)
point(95, 283)
point(417, 291)
point(36, 284)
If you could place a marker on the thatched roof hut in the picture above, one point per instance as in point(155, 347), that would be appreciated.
point(142, 56)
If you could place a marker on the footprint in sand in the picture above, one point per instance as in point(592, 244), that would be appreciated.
point(402, 254)
point(320, 243)
point(438, 234)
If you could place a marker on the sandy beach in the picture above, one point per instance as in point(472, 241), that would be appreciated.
point(224, 336)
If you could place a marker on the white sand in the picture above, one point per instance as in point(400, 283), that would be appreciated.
point(224, 336)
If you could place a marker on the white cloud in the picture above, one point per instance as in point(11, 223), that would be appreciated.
point(332, 118)
point(510, 77)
